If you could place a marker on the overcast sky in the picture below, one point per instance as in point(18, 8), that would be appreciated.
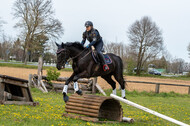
point(113, 17)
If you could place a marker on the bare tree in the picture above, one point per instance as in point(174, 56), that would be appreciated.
point(177, 65)
point(146, 40)
point(188, 49)
point(17, 50)
point(5, 47)
point(36, 19)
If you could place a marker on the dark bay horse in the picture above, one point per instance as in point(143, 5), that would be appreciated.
point(84, 66)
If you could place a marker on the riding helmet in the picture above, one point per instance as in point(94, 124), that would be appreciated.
point(88, 23)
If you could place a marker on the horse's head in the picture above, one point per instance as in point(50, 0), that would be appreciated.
point(62, 55)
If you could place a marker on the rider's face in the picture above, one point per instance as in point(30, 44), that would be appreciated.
point(88, 28)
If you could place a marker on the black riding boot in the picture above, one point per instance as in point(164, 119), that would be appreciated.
point(105, 66)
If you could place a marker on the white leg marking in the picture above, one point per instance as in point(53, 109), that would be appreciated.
point(123, 93)
point(65, 89)
point(114, 91)
point(76, 87)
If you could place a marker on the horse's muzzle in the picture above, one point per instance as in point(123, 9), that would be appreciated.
point(59, 67)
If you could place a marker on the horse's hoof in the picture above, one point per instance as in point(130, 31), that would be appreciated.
point(124, 98)
point(65, 97)
point(79, 92)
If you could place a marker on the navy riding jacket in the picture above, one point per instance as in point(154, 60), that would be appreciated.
point(92, 36)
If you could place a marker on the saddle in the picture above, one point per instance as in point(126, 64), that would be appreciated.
point(97, 59)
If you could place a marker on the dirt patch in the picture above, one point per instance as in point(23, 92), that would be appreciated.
point(23, 73)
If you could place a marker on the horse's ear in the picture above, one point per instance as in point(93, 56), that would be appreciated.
point(62, 45)
point(57, 44)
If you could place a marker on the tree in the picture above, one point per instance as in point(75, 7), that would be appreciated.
point(146, 40)
point(36, 19)
point(1, 24)
point(177, 65)
point(5, 48)
point(188, 49)
point(17, 50)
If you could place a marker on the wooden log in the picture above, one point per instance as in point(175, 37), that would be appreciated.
point(13, 78)
point(85, 118)
point(80, 80)
point(84, 102)
point(63, 79)
point(157, 88)
point(20, 103)
point(81, 112)
point(94, 85)
point(84, 99)
point(95, 106)
point(83, 105)
point(72, 91)
point(82, 109)
point(18, 98)
point(17, 83)
point(129, 120)
point(25, 94)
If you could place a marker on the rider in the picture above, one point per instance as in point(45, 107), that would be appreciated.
point(93, 36)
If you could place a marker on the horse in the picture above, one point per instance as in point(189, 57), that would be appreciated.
point(84, 66)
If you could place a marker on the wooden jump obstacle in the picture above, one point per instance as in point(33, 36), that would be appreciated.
point(93, 108)
point(15, 91)
point(148, 110)
point(88, 86)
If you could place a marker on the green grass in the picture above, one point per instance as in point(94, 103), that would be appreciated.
point(27, 66)
point(49, 112)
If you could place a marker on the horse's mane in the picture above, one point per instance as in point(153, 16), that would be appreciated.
point(77, 45)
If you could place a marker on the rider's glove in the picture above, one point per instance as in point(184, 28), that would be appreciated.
point(87, 46)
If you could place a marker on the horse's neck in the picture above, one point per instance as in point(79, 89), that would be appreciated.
point(74, 52)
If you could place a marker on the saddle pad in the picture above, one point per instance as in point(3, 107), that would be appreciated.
point(97, 60)
point(108, 59)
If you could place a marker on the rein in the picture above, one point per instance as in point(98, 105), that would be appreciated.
point(79, 55)
point(76, 55)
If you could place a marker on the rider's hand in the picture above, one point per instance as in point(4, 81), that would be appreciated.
point(87, 46)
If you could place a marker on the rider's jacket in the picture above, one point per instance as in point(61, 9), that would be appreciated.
point(92, 36)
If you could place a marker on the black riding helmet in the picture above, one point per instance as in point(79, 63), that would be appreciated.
point(88, 23)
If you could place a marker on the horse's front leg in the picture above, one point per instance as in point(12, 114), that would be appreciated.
point(76, 77)
point(65, 97)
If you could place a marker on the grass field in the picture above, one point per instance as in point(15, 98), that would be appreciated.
point(49, 112)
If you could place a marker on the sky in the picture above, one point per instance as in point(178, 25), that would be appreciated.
point(113, 17)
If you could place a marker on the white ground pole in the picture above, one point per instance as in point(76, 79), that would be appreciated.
point(148, 110)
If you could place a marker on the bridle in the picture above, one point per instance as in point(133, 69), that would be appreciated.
point(61, 50)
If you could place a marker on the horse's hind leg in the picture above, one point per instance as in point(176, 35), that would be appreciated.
point(121, 81)
point(111, 82)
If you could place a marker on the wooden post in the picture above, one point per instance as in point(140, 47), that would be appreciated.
point(157, 89)
point(40, 82)
point(40, 65)
point(189, 90)
point(30, 80)
point(2, 88)
point(94, 85)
